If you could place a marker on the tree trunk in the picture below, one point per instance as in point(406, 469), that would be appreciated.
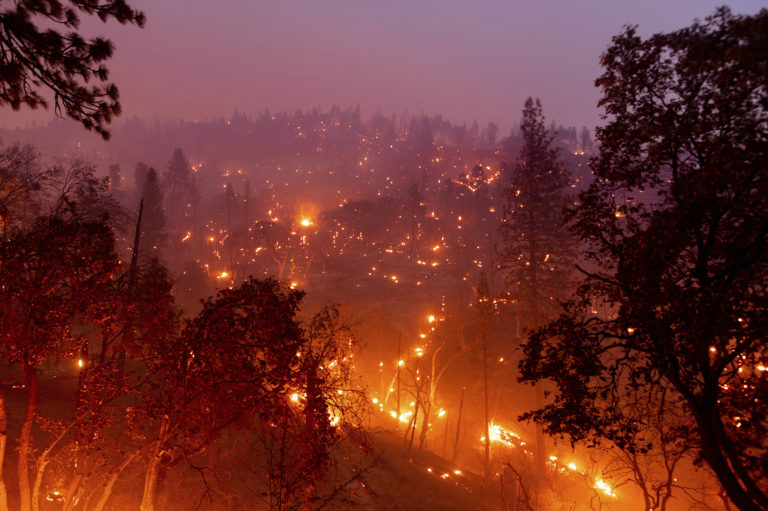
point(73, 492)
point(25, 438)
point(41, 466)
point(487, 464)
point(44, 460)
point(110, 482)
point(713, 455)
point(153, 481)
point(458, 427)
point(397, 422)
point(425, 425)
point(3, 441)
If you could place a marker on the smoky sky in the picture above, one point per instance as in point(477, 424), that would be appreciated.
point(465, 59)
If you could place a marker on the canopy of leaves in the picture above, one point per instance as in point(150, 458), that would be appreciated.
point(50, 275)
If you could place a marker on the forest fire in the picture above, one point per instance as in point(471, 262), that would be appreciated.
point(341, 308)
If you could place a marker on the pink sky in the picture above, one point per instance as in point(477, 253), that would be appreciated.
point(464, 59)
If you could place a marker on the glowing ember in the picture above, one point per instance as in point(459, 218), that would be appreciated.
point(223, 275)
point(306, 222)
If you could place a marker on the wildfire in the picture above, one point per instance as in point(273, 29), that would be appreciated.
point(503, 436)
point(604, 487)
point(334, 417)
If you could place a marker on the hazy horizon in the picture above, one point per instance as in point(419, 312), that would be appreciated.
point(463, 60)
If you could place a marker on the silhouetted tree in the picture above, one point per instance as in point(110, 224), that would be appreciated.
point(180, 186)
point(21, 185)
point(139, 178)
point(36, 57)
point(536, 255)
point(153, 235)
point(676, 223)
point(75, 186)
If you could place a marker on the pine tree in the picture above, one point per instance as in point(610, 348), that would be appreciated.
point(153, 234)
point(179, 183)
point(536, 255)
point(43, 51)
point(139, 178)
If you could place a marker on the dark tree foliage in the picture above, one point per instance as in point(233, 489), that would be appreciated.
point(536, 255)
point(677, 222)
point(233, 362)
point(179, 181)
point(153, 235)
point(20, 181)
point(75, 187)
point(56, 57)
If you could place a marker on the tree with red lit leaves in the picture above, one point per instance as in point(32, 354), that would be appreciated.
point(322, 408)
point(51, 275)
point(676, 225)
point(90, 448)
point(230, 364)
point(58, 60)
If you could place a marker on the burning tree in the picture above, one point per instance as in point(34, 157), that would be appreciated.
point(676, 222)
